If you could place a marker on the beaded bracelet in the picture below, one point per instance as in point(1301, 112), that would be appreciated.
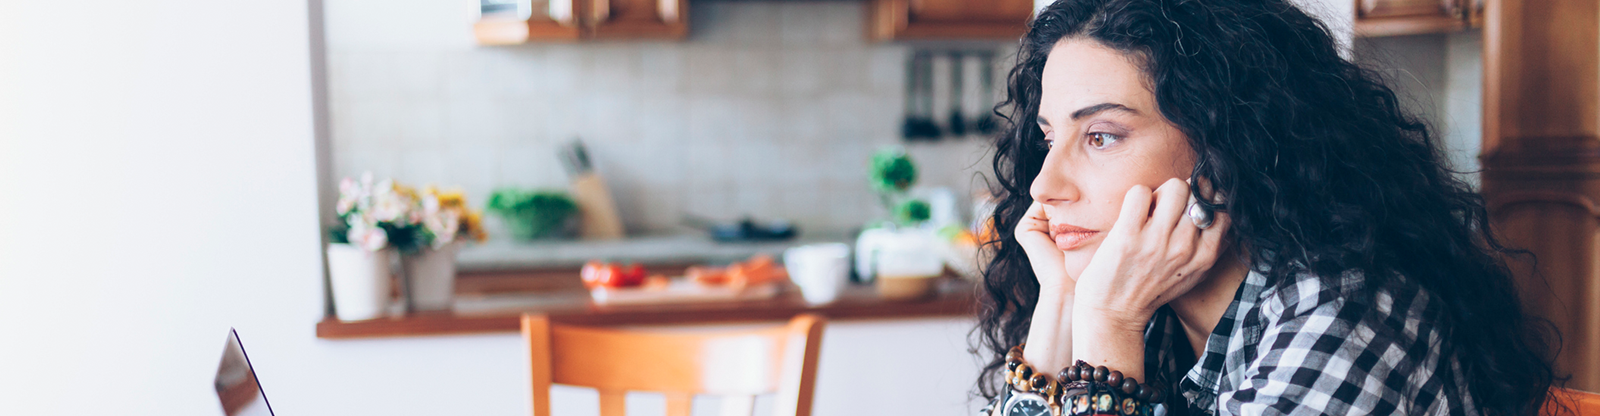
point(1022, 377)
point(1099, 391)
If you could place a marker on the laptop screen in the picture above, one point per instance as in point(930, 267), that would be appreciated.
point(236, 382)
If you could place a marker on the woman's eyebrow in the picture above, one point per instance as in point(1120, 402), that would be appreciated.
point(1094, 109)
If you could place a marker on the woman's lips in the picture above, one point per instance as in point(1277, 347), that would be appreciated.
point(1069, 237)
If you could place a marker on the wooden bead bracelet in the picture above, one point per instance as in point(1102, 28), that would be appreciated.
point(1094, 390)
point(1022, 377)
point(1083, 389)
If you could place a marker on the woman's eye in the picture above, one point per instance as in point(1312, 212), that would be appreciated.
point(1101, 140)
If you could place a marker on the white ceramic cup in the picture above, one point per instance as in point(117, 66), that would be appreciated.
point(821, 270)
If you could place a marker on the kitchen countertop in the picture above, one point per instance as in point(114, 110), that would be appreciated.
point(659, 249)
point(498, 308)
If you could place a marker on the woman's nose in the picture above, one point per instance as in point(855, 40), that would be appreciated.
point(1054, 183)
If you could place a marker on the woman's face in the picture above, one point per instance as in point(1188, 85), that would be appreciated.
point(1105, 136)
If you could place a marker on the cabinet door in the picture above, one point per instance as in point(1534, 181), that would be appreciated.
point(947, 19)
point(1410, 8)
point(970, 11)
point(637, 19)
point(1409, 17)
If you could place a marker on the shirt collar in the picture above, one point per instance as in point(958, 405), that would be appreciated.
point(1201, 383)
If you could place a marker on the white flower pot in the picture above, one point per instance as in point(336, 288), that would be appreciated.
point(433, 277)
point(360, 281)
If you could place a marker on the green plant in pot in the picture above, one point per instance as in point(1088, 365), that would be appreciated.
point(892, 175)
point(533, 214)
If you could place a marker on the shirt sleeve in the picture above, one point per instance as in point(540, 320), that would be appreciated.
point(1317, 356)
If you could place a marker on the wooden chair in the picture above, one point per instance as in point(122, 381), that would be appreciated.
point(736, 365)
point(1579, 403)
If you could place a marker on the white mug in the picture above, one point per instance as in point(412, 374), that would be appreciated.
point(821, 270)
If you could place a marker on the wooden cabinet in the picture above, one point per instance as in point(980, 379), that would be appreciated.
point(1409, 17)
point(1541, 165)
point(947, 19)
point(571, 20)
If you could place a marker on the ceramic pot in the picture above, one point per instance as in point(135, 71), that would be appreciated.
point(903, 262)
point(360, 280)
point(432, 273)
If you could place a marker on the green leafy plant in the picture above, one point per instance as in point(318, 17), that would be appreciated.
point(892, 175)
point(892, 171)
point(531, 213)
point(912, 211)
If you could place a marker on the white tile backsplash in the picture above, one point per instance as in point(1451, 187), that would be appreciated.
point(770, 109)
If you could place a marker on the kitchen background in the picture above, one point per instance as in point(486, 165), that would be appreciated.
point(201, 155)
point(769, 109)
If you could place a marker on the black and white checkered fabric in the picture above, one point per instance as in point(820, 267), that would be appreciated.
point(1303, 347)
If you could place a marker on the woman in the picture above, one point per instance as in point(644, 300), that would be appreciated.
point(1203, 197)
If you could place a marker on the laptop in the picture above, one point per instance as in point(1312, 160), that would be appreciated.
point(236, 383)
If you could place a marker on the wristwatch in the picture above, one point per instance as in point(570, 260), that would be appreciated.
point(1012, 402)
point(1026, 404)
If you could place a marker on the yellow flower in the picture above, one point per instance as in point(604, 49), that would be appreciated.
point(472, 225)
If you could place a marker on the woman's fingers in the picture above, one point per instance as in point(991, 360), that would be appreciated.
point(1135, 211)
point(1034, 226)
point(1171, 200)
point(1033, 233)
point(1210, 244)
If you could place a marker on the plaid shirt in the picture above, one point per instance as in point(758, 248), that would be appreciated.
point(1302, 347)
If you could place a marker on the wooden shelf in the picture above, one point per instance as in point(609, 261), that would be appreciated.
point(566, 302)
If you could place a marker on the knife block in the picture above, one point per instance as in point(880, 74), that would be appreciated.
point(599, 213)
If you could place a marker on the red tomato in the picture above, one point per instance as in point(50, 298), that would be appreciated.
point(631, 275)
point(596, 274)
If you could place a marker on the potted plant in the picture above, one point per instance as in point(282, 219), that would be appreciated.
point(447, 223)
point(898, 254)
point(534, 214)
point(375, 220)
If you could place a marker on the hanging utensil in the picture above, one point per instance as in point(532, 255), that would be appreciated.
point(957, 124)
point(985, 122)
point(919, 125)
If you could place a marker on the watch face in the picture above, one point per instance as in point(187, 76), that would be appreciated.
point(1026, 404)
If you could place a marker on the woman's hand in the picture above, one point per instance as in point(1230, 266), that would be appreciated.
point(1050, 332)
point(1151, 256)
point(1049, 266)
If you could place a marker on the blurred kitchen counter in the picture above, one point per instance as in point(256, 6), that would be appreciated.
point(674, 249)
point(498, 281)
point(484, 306)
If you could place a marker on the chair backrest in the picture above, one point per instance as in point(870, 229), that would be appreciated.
point(1575, 402)
point(735, 365)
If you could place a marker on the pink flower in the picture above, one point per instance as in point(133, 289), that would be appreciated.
point(368, 238)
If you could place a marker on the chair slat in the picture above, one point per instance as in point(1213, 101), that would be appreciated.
point(680, 404)
point(536, 332)
point(738, 405)
point(613, 403)
point(734, 365)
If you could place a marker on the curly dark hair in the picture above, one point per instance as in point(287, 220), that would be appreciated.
point(1323, 173)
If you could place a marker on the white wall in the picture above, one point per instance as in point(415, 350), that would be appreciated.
point(159, 186)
